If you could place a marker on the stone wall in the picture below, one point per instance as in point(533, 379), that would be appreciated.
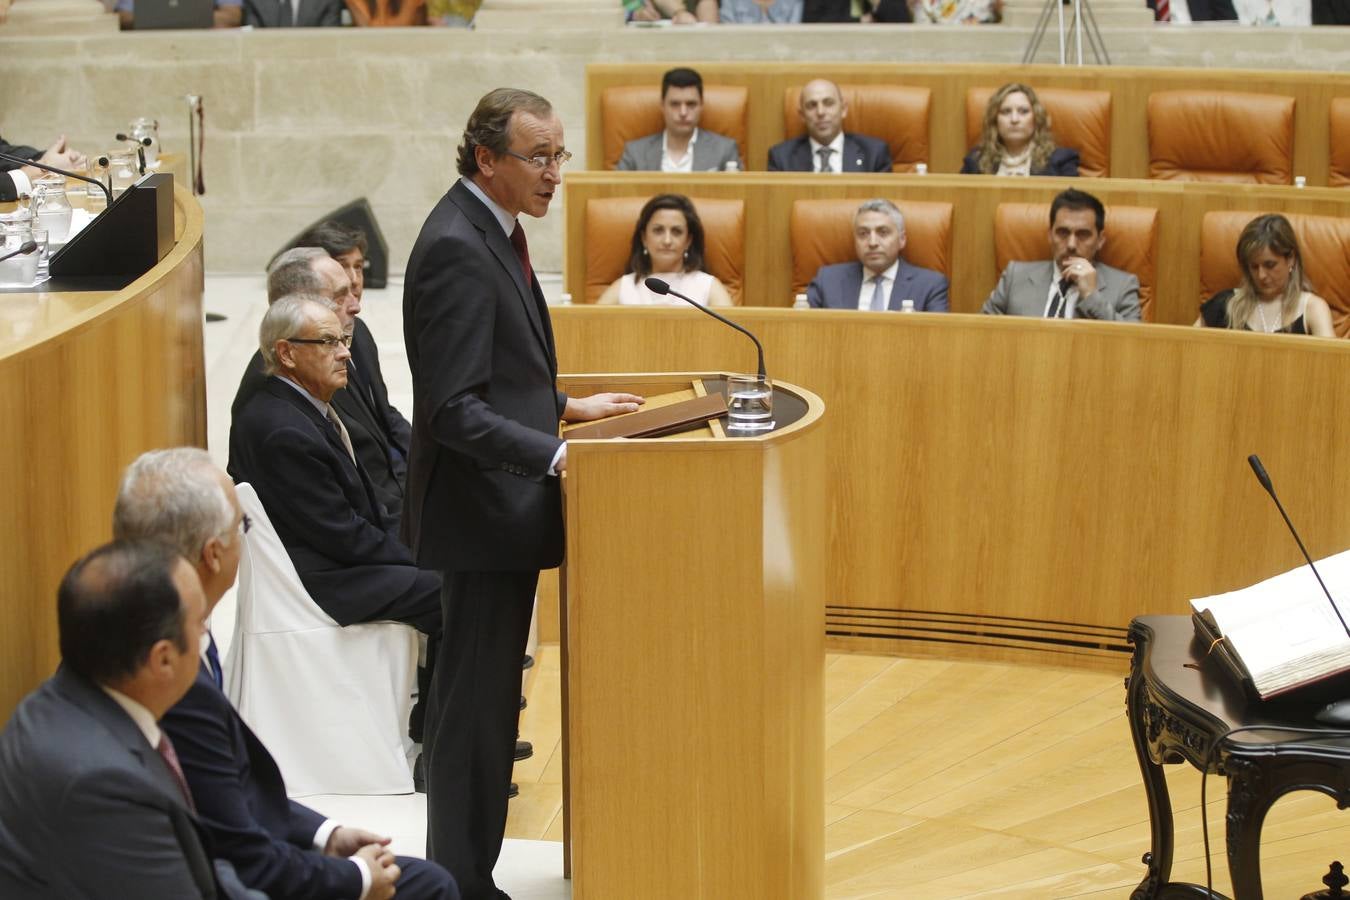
point(299, 123)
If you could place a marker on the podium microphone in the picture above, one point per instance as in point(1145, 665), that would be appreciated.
point(25, 247)
point(37, 165)
point(657, 286)
point(1261, 476)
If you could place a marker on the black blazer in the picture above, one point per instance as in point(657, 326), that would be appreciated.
point(380, 435)
point(241, 802)
point(485, 402)
point(87, 807)
point(1063, 161)
point(321, 504)
point(892, 11)
point(7, 189)
point(861, 154)
point(312, 13)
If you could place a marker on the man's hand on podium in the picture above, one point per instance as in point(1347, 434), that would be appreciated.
point(600, 406)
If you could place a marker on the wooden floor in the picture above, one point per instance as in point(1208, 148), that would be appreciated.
point(950, 779)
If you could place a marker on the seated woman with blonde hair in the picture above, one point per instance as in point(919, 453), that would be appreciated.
point(667, 243)
point(1016, 139)
point(1274, 297)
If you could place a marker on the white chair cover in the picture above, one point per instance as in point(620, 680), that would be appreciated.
point(330, 703)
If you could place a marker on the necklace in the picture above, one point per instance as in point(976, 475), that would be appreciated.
point(1265, 326)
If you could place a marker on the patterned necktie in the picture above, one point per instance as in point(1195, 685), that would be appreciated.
point(170, 758)
point(213, 661)
point(523, 253)
point(342, 432)
point(1164, 11)
point(824, 154)
point(879, 294)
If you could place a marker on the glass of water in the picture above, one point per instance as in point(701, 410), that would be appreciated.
point(749, 404)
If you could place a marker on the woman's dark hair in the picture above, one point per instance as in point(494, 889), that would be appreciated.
point(639, 263)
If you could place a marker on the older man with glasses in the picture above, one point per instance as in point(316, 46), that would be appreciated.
point(289, 443)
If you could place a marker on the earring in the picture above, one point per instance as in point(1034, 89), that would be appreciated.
point(644, 251)
point(686, 256)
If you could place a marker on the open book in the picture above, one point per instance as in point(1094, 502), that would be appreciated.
point(1281, 633)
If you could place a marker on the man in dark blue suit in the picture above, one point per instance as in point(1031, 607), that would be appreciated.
point(880, 279)
point(90, 804)
point(826, 147)
point(276, 845)
point(484, 504)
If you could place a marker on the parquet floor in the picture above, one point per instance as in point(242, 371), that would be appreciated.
point(950, 779)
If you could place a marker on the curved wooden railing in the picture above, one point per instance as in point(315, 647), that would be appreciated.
point(88, 381)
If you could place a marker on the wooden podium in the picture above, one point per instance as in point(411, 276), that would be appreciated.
point(692, 636)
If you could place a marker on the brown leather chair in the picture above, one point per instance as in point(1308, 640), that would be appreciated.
point(1080, 120)
point(1323, 242)
point(894, 113)
point(1220, 136)
point(1021, 233)
point(634, 111)
point(609, 235)
point(822, 234)
point(1339, 135)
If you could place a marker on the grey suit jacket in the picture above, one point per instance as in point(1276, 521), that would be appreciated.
point(88, 809)
point(1025, 286)
point(712, 152)
point(838, 287)
point(310, 14)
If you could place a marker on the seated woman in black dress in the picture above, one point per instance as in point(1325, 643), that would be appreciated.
point(1016, 139)
point(1274, 296)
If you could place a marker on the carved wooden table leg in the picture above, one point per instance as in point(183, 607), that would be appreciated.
point(1159, 857)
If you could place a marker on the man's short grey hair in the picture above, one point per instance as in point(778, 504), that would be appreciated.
point(878, 204)
point(284, 319)
point(174, 496)
point(293, 273)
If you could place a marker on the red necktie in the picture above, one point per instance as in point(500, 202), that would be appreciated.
point(170, 758)
point(523, 252)
point(1164, 10)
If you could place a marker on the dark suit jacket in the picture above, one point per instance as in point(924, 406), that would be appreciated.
point(379, 433)
point(892, 11)
point(322, 505)
point(838, 287)
point(7, 189)
point(485, 407)
point(861, 154)
point(1063, 161)
point(312, 13)
point(241, 801)
point(88, 809)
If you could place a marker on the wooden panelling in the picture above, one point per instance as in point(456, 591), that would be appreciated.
point(88, 381)
point(768, 207)
point(1129, 88)
point(1078, 473)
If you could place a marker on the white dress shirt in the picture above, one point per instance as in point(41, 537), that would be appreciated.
point(685, 163)
point(836, 158)
point(869, 286)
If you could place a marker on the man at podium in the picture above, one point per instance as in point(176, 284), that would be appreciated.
point(483, 501)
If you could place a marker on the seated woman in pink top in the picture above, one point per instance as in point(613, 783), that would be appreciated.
point(667, 243)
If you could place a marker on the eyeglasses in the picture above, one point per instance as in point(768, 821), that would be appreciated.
point(541, 162)
point(328, 343)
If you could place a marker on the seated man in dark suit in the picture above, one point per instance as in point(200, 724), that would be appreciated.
point(880, 279)
point(379, 432)
point(90, 802)
point(681, 146)
point(276, 845)
point(826, 147)
point(16, 179)
point(1071, 284)
point(289, 443)
point(293, 13)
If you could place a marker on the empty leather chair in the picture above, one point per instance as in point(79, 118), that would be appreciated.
point(1339, 136)
point(608, 237)
point(331, 703)
point(1080, 120)
point(1323, 242)
point(822, 234)
point(634, 111)
point(1221, 136)
point(1021, 232)
point(893, 113)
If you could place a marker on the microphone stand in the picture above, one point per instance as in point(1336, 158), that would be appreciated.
point(657, 286)
point(37, 165)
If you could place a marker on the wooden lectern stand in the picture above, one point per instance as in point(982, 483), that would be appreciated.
point(692, 638)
